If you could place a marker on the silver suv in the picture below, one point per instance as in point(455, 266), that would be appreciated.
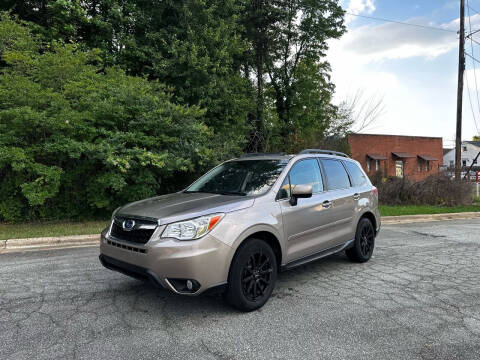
point(244, 221)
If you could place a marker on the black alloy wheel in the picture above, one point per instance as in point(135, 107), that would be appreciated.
point(252, 277)
point(256, 276)
point(367, 240)
point(364, 243)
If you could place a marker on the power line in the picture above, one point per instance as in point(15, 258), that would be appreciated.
point(475, 41)
point(472, 57)
point(471, 103)
point(474, 67)
point(472, 33)
point(471, 8)
point(402, 23)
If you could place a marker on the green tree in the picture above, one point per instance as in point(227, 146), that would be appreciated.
point(288, 35)
point(193, 46)
point(78, 139)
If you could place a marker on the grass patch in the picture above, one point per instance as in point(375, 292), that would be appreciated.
point(386, 210)
point(46, 229)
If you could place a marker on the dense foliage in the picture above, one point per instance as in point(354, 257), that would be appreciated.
point(108, 101)
point(75, 141)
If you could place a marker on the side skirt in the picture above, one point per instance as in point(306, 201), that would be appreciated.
point(316, 256)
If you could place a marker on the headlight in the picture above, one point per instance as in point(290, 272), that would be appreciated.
point(193, 228)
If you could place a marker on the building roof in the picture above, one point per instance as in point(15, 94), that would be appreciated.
point(402, 155)
point(427, 157)
point(377, 156)
point(407, 136)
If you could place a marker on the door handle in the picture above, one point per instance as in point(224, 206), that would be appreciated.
point(327, 204)
point(356, 196)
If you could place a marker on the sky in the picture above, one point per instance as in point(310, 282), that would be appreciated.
point(414, 70)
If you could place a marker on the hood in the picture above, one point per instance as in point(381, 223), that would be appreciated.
point(181, 206)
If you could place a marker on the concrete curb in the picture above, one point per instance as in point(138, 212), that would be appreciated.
point(10, 245)
point(406, 219)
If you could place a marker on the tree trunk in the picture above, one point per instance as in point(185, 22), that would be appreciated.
point(259, 125)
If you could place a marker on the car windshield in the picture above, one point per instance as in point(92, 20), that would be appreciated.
point(240, 177)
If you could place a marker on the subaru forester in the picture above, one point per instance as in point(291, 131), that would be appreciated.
point(236, 227)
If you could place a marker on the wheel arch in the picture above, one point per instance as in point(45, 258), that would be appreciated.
point(269, 237)
point(370, 216)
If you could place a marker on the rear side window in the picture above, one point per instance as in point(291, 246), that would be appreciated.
point(337, 177)
point(306, 172)
point(356, 174)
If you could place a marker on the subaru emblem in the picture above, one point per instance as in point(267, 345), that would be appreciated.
point(128, 224)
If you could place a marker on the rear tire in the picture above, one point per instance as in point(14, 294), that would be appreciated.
point(364, 242)
point(252, 277)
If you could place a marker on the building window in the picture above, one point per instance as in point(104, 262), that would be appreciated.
point(377, 165)
point(399, 168)
point(464, 148)
point(464, 162)
point(451, 163)
point(368, 164)
point(420, 165)
point(427, 165)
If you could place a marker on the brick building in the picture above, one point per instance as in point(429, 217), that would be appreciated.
point(414, 157)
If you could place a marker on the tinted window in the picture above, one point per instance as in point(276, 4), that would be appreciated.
point(248, 177)
point(337, 177)
point(356, 174)
point(306, 172)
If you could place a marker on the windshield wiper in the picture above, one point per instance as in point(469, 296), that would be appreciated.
point(199, 192)
point(239, 193)
point(231, 193)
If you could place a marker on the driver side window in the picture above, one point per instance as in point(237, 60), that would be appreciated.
point(304, 172)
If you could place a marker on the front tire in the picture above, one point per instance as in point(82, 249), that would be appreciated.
point(364, 242)
point(253, 274)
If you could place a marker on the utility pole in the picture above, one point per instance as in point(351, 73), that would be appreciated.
point(461, 70)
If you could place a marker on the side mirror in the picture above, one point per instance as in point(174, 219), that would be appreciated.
point(300, 191)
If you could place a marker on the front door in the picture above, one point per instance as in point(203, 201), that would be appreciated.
point(305, 222)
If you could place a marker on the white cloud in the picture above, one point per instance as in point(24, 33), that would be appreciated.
point(359, 7)
point(358, 61)
point(372, 58)
point(397, 41)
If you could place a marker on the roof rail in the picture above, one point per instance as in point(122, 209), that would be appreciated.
point(320, 151)
point(262, 154)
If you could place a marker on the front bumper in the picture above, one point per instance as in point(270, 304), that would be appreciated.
point(163, 261)
point(134, 271)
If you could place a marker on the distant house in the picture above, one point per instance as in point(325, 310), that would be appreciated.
point(470, 150)
point(414, 157)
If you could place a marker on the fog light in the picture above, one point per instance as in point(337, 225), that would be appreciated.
point(185, 285)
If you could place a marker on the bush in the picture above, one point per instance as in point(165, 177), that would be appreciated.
point(437, 190)
point(78, 139)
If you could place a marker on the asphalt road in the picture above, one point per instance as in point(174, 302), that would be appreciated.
point(418, 298)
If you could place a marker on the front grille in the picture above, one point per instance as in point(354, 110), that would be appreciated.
point(137, 235)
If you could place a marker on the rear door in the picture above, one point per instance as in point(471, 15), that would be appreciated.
point(361, 189)
point(343, 201)
point(304, 223)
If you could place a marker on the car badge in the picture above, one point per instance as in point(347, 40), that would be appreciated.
point(128, 225)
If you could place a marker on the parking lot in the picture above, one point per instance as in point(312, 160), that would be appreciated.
point(418, 298)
